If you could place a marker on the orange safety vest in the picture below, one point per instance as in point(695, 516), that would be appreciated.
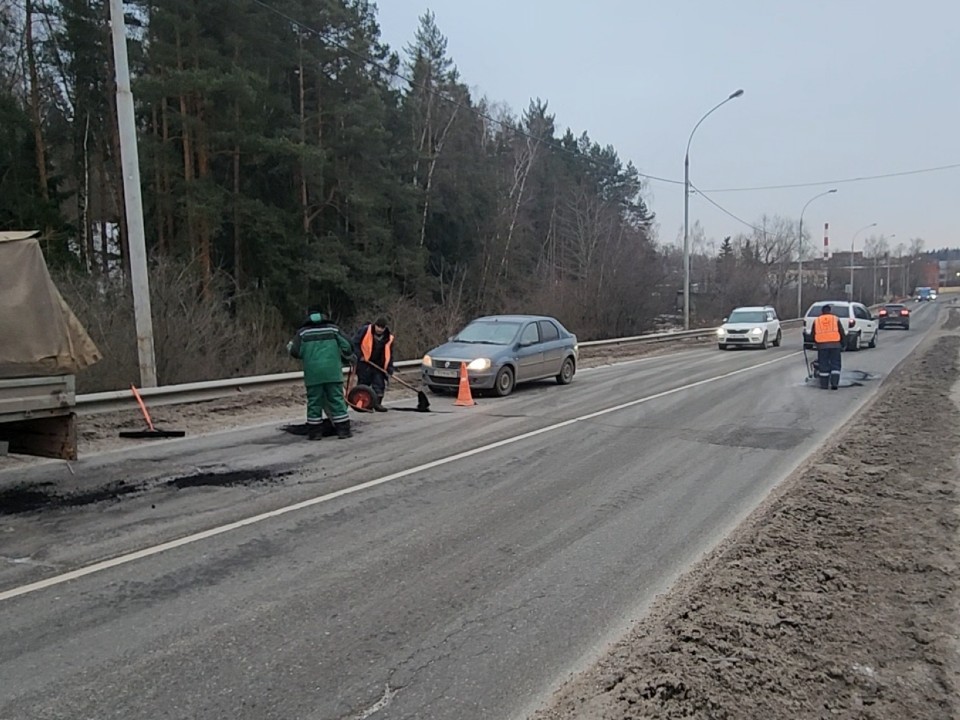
point(825, 329)
point(366, 348)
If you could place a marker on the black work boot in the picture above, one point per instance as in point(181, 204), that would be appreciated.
point(834, 381)
point(824, 382)
point(343, 430)
point(379, 406)
point(315, 432)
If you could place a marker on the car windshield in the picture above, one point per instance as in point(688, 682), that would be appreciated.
point(488, 333)
point(747, 316)
point(838, 309)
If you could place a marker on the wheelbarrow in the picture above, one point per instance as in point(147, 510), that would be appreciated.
point(361, 398)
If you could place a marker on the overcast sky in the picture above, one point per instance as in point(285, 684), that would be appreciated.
point(832, 89)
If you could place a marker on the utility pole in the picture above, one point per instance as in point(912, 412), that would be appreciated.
point(852, 244)
point(130, 163)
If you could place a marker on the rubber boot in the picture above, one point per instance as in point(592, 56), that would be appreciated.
point(834, 381)
point(343, 430)
point(379, 406)
point(315, 432)
point(824, 382)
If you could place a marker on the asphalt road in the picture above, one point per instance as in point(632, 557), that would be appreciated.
point(453, 565)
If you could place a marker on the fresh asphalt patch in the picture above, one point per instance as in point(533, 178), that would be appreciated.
point(36, 497)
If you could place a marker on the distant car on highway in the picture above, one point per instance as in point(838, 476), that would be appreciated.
point(894, 315)
point(501, 351)
point(926, 294)
point(861, 326)
point(750, 327)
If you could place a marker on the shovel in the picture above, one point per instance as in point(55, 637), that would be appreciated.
point(423, 403)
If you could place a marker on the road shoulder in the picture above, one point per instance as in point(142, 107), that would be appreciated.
point(838, 596)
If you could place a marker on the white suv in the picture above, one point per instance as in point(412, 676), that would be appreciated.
point(750, 327)
point(861, 326)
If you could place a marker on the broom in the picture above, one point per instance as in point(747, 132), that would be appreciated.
point(151, 431)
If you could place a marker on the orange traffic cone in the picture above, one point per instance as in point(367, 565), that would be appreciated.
point(464, 397)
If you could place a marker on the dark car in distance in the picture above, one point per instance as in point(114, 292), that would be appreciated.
point(894, 315)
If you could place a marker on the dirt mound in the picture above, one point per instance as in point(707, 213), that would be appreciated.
point(838, 598)
point(953, 320)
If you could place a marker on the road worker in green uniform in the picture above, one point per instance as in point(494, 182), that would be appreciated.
point(323, 349)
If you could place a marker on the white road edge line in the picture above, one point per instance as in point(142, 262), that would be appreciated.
point(213, 532)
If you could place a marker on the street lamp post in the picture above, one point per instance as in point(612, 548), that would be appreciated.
point(865, 227)
point(800, 253)
point(686, 211)
point(887, 287)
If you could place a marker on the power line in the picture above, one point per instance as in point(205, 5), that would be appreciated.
point(725, 211)
point(400, 76)
point(861, 178)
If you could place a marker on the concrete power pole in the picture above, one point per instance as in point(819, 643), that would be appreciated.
point(130, 162)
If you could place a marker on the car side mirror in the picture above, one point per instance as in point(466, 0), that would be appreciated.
point(724, 320)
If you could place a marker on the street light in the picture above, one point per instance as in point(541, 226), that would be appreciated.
point(887, 288)
point(686, 211)
point(800, 253)
point(865, 227)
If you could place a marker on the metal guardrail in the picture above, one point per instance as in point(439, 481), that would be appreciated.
point(114, 400)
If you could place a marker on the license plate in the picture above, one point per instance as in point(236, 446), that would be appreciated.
point(446, 373)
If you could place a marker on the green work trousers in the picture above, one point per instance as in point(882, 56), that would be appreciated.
point(326, 398)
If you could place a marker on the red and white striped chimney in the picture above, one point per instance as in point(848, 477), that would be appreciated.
point(826, 242)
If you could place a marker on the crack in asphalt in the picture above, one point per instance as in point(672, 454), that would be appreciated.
point(438, 656)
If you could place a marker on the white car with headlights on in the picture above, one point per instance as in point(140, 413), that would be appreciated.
point(750, 327)
point(501, 351)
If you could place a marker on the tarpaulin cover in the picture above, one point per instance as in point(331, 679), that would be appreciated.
point(39, 334)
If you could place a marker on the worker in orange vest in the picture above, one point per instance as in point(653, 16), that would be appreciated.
point(829, 336)
point(374, 349)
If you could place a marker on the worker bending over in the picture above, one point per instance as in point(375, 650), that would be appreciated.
point(828, 335)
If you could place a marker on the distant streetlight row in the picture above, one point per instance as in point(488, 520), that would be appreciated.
point(686, 226)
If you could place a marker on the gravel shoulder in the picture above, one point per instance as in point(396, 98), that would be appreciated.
point(838, 597)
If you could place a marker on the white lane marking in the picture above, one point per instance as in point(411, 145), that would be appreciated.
point(213, 532)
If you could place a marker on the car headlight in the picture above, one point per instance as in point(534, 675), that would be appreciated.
point(480, 364)
point(427, 361)
point(721, 332)
point(757, 331)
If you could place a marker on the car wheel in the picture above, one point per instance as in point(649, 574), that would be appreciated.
point(504, 382)
point(906, 327)
point(776, 343)
point(566, 372)
point(853, 344)
point(722, 346)
point(437, 390)
point(873, 340)
point(764, 344)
